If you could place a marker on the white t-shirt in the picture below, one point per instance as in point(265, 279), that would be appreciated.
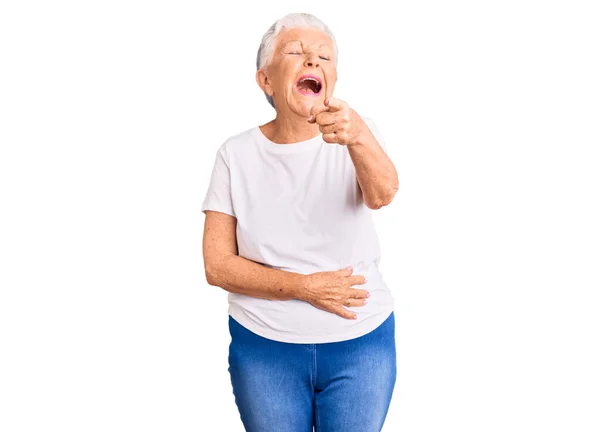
point(299, 208)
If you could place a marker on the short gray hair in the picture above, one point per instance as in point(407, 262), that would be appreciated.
point(304, 20)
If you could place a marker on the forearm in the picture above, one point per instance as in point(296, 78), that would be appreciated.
point(243, 276)
point(375, 172)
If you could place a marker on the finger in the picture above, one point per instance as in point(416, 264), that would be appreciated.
point(347, 271)
point(335, 104)
point(355, 302)
point(357, 280)
point(325, 118)
point(330, 138)
point(343, 312)
point(315, 110)
point(326, 129)
point(359, 293)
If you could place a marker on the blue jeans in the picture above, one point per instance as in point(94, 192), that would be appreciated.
point(336, 387)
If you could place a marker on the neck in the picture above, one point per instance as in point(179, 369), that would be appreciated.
point(290, 128)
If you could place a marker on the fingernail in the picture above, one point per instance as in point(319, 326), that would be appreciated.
point(366, 280)
point(368, 295)
point(310, 118)
point(355, 316)
point(349, 267)
point(365, 301)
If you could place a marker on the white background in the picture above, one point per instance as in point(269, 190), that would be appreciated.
point(111, 115)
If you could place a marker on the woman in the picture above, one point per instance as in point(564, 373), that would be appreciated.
point(288, 233)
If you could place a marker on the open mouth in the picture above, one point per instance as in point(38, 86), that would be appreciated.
point(309, 85)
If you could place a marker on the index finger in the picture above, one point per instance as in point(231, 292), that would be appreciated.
point(334, 104)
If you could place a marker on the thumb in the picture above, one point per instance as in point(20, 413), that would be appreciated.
point(315, 110)
point(348, 270)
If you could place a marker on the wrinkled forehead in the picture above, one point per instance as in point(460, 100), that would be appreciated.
point(305, 38)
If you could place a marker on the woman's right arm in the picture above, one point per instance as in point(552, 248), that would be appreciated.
point(225, 269)
point(328, 290)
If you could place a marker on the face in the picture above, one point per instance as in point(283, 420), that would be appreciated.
point(301, 72)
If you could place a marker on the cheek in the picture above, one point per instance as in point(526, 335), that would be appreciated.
point(331, 76)
point(289, 76)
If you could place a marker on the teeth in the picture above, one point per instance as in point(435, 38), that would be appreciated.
point(306, 79)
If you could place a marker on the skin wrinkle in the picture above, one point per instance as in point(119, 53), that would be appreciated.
point(340, 125)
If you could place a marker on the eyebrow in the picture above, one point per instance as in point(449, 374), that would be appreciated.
point(289, 42)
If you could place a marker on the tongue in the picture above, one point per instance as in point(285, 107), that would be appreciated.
point(305, 87)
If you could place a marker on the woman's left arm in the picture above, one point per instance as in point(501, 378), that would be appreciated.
point(375, 172)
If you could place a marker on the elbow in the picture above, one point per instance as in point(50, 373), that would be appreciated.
point(210, 281)
point(215, 269)
point(378, 205)
point(209, 277)
point(382, 201)
point(211, 274)
point(374, 206)
point(391, 195)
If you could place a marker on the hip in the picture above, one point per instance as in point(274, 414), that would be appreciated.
point(297, 321)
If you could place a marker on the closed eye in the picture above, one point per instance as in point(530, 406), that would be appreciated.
point(324, 58)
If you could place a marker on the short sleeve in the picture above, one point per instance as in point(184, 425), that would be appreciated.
point(218, 196)
point(371, 123)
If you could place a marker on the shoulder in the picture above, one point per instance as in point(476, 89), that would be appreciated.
point(237, 143)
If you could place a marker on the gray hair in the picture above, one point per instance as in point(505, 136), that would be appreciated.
point(304, 20)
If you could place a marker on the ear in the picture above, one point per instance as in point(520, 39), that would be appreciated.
point(263, 82)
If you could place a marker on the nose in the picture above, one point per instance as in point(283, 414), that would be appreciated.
point(311, 60)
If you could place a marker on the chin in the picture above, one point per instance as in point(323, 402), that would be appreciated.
point(301, 107)
point(310, 102)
